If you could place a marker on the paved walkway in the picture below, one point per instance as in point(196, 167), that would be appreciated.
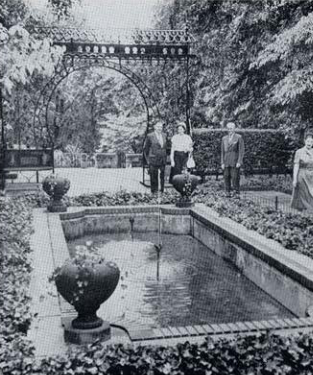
point(46, 331)
point(50, 250)
point(89, 180)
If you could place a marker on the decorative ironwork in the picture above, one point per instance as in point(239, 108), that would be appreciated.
point(121, 43)
point(116, 49)
point(72, 64)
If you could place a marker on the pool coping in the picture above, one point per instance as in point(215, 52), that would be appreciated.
point(268, 250)
point(221, 224)
point(222, 329)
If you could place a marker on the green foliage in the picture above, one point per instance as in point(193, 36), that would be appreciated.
point(122, 198)
point(254, 60)
point(26, 62)
point(262, 354)
point(278, 183)
point(15, 316)
point(259, 354)
point(62, 8)
point(264, 151)
point(291, 230)
point(84, 112)
point(11, 12)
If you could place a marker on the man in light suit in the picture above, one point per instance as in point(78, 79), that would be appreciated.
point(155, 154)
point(232, 155)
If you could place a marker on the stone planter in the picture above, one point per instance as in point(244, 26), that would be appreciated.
point(185, 184)
point(56, 187)
point(86, 288)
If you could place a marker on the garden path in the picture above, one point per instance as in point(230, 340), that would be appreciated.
point(86, 180)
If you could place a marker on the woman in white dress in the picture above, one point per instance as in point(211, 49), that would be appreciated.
point(181, 147)
point(302, 195)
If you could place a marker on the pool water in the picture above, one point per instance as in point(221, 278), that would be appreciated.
point(186, 285)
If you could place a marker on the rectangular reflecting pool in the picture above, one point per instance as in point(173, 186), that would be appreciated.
point(186, 284)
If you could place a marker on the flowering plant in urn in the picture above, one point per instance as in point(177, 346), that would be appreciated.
point(86, 281)
point(56, 187)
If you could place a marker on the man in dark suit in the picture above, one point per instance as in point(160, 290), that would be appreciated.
point(155, 154)
point(232, 155)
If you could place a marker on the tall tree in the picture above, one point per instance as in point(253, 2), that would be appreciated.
point(27, 61)
point(254, 60)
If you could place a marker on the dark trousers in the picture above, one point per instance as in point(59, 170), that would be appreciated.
point(180, 160)
point(232, 179)
point(154, 177)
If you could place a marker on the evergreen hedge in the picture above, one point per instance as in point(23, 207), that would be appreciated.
point(266, 151)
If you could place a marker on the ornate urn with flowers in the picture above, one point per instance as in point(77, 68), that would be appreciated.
point(56, 187)
point(86, 281)
point(185, 184)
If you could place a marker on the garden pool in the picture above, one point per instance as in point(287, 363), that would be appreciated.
point(187, 284)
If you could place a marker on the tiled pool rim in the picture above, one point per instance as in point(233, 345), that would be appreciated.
point(230, 240)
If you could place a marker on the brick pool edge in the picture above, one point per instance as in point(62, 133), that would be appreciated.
point(284, 275)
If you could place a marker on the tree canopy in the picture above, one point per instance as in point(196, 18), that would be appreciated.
point(254, 60)
point(253, 66)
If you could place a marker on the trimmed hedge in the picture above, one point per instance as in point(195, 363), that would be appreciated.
point(265, 151)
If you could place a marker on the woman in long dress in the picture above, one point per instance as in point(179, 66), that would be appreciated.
point(302, 195)
point(181, 147)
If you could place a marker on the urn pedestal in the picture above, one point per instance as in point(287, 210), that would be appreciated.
point(86, 288)
point(185, 184)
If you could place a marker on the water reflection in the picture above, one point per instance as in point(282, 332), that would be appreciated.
point(182, 284)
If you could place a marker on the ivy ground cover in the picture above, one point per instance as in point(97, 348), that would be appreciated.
point(263, 354)
point(294, 231)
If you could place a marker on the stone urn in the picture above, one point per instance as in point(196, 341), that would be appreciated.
point(185, 184)
point(56, 187)
point(86, 288)
point(86, 281)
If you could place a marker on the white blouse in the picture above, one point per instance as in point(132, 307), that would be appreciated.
point(181, 142)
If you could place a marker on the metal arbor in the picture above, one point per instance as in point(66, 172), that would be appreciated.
point(134, 53)
point(123, 51)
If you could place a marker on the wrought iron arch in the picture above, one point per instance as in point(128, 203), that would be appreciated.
point(117, 50)
point(121, 47)
point(74, 65)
